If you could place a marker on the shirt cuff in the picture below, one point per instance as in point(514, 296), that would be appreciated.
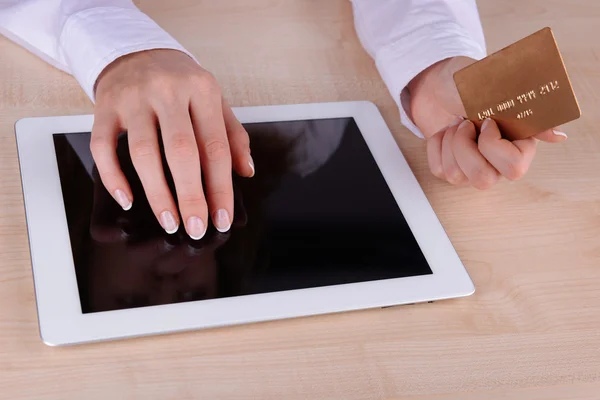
point(94, 38)
point(404, 59)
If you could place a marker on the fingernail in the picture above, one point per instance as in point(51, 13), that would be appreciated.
point(251, 164)
point(463, 124)
point(168, 222)
point(485, 123)
point(559, 133)
point(222, 221)
point(196, 228)
point(122, 199)
point(457, 120)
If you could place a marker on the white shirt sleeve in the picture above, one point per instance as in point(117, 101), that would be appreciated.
point(82, 37)
point(405, 37)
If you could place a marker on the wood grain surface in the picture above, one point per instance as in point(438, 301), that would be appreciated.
point(532, 329)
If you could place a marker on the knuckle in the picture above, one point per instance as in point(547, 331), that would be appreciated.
point(110, 177)
point(453, 175)
point(142, 148)
point(437, 171)
point(216, 150)
point(484, 180)
point(100, 144)
point(206, 82)
point(189, 200)
point(167, 89)
point(182, 146)
point(220, 193)
point(109, 97)
point(162, 82)
point(483, 185)
point(111, 180)
point(453, 180)
point(170, 97)
point(237, 130)
point(515, 170)
point(156, 199)
point(485, 148)
point(128, 93)
point(105, 100)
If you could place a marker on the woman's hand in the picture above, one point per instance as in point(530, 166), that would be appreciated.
point(455, 152)
point(165, 89)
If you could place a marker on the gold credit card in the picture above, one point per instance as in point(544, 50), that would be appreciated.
point(523, 87)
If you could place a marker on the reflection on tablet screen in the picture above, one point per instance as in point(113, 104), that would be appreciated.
point(318, 212)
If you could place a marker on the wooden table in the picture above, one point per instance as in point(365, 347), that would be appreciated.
point(531, 331)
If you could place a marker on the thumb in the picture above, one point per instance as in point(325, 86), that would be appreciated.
point(551, 136)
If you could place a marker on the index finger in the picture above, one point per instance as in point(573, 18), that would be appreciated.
point(103, 146)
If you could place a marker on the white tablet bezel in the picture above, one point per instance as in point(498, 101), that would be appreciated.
point(62, 322)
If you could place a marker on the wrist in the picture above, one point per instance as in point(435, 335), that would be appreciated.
point(136, 61)
point(434, 99)
point(95, 37)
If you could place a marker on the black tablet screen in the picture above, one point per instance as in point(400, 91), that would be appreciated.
point(318, 212)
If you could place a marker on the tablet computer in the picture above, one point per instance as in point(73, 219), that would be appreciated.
point(332, 221)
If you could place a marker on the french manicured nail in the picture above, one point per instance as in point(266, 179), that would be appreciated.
point(464, 124)
point(485, 123)
point(196, 228)
point(168, 222)
point(222, 221)
point(122, 199)
point(559, 133)
point(251, 164)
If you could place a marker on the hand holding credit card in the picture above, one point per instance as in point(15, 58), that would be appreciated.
point(524, 88)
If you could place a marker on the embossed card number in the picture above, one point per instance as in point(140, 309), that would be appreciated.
point(521, 99)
